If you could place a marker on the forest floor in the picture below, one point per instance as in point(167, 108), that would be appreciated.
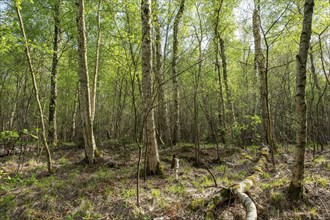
point(107, 190)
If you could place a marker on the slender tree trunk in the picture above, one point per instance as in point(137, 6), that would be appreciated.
point(15, 101)
point(84, 90)
point(262, 70)
point(134, 57)
point(36, 90)
point(319, 123)
point(221, 103)
point(97, 59)
point(164, 130)
point(52, 125)
point(225, 80)
point(296, 185)
point(196, 82)
point(152, 156)
point(324, 116)
point(74, 113)
point(176, 93)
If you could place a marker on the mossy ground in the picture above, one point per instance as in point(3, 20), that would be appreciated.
point(107, 190)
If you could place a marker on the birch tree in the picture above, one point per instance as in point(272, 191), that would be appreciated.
point(176, 93)
point(84, 90)
point(296, 186)
point(163, 122)
point(262, 70)
point(35, 87)
point(152, 157)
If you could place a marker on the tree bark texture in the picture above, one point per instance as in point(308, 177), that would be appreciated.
point(36, 90)
point(163, 122)
point(152, 157)
point(176, 92)
point(97, 59)
point(52, 126)
point(296, 185)
point(262, 70)
point(225, 80)
point(320, 117)
point(221, 103)
point(84, 90)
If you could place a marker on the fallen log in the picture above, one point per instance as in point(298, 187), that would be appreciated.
point(227, 195)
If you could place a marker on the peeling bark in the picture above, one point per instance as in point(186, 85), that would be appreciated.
point(152, 156)
point(296, 185)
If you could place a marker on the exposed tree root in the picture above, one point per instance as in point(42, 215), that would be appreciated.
point(226, 195)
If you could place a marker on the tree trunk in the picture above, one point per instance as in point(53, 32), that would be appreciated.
point(196, 84)
point(320, 119)
point(152, 157)
point(176, 94)
point(296, 185)
point(74, 113)
point(163, 122)
point(97, 59)
point(262, 70)
point(225, 80)
point(84, 90)
point(221, 107)
point(36, 90)
point(52, 126)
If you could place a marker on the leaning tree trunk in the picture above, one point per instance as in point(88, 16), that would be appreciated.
point(296, 185)
point(52, 126)
point(84, 91)
point(152, 157)
point(176, 94)
point(261, 66)
point(36, 91)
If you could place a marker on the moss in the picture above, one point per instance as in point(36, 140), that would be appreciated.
point(197, 204)
point(209, 215)
point(277, 197)
point(187, 147)
point(216, 200)
point(266, 175)
point(246, 156)
point(98, 153)
point(63, 161)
